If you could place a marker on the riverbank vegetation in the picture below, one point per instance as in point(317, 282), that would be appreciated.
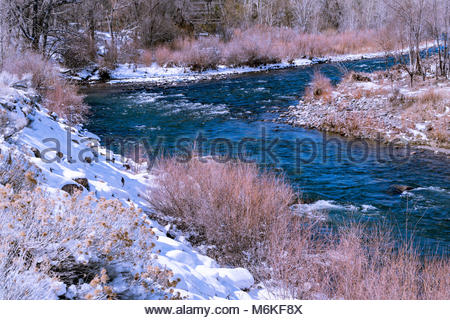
point(60, 96)
point(203, 34)
point(245, 219)
point(57, 246)
point(380, 105)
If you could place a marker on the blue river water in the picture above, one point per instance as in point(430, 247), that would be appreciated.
point(337, 177)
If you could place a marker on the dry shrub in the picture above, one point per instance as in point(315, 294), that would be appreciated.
point(320, 88)
point(60, 96)
point(262, 45)
point(430, 106)
point(357, 262)
point(352, 123)
point(78, 51)
point(431, 97)
point(17, 172)
point(146, 57)
point(82, 242)
point(233, 204)
point(199, 55)
point(63, 99)
point(387, 40)
point(42, 71)
point(440, 130)
point(252, 47)
point(358, 93)
point(245, 214)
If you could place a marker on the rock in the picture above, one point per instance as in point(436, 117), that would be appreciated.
point(84, 182)
point(88, 160)
point(360, 78)
point(72, 188)
point(53, 115)
point(23, 84)
point(59, 154)
point(104, 74)
point(36, 152)
point(8, 105)
point(398, 189)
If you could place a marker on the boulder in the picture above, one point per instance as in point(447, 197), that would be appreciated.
point(72, 188)
point(398, 189)
point(23, 84)
point(358, 77)
point(84, 182)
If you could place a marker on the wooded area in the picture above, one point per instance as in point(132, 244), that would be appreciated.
point(68, 29)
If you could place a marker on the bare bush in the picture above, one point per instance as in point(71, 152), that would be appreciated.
point(262, 45)
point(233, 204)
point(320, 88)
point(245, 214)
point(63, 99)
point(80, 242)
point(60, 96)
point(17, 172)
point(358, 262)
point(42, 71)
point(78, 51)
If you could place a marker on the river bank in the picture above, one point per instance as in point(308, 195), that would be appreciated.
point(130, 75)
point(379, 106)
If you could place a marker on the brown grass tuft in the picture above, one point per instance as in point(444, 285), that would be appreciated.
point(320, 88)
point(358, 262)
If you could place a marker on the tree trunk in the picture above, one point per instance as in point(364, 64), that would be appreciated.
point(35, 34)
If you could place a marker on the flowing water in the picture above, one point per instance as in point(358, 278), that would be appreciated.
point(337, 177)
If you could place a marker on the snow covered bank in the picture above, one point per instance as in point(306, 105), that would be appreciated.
point(156, 74)
point(70, 158)
point(381, 106)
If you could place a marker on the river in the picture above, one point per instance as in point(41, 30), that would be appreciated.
point(337, 177)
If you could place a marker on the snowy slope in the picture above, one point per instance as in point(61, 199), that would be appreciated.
point(201, 277)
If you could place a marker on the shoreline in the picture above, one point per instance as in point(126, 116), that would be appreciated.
point(378, 106)
point(129, 76)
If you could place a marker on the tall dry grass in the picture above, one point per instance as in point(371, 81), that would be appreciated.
point(59, 96)
point(261, 45)
point(356, 262)
point(320, 88)
point(245, 214)
point(430, 106)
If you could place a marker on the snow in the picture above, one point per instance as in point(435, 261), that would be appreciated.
point(201, 277)
point(131, 73)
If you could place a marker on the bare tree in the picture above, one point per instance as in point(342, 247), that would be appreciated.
point(305, 12)
point(411, 17)
point(437, 22)
point(33, 19)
